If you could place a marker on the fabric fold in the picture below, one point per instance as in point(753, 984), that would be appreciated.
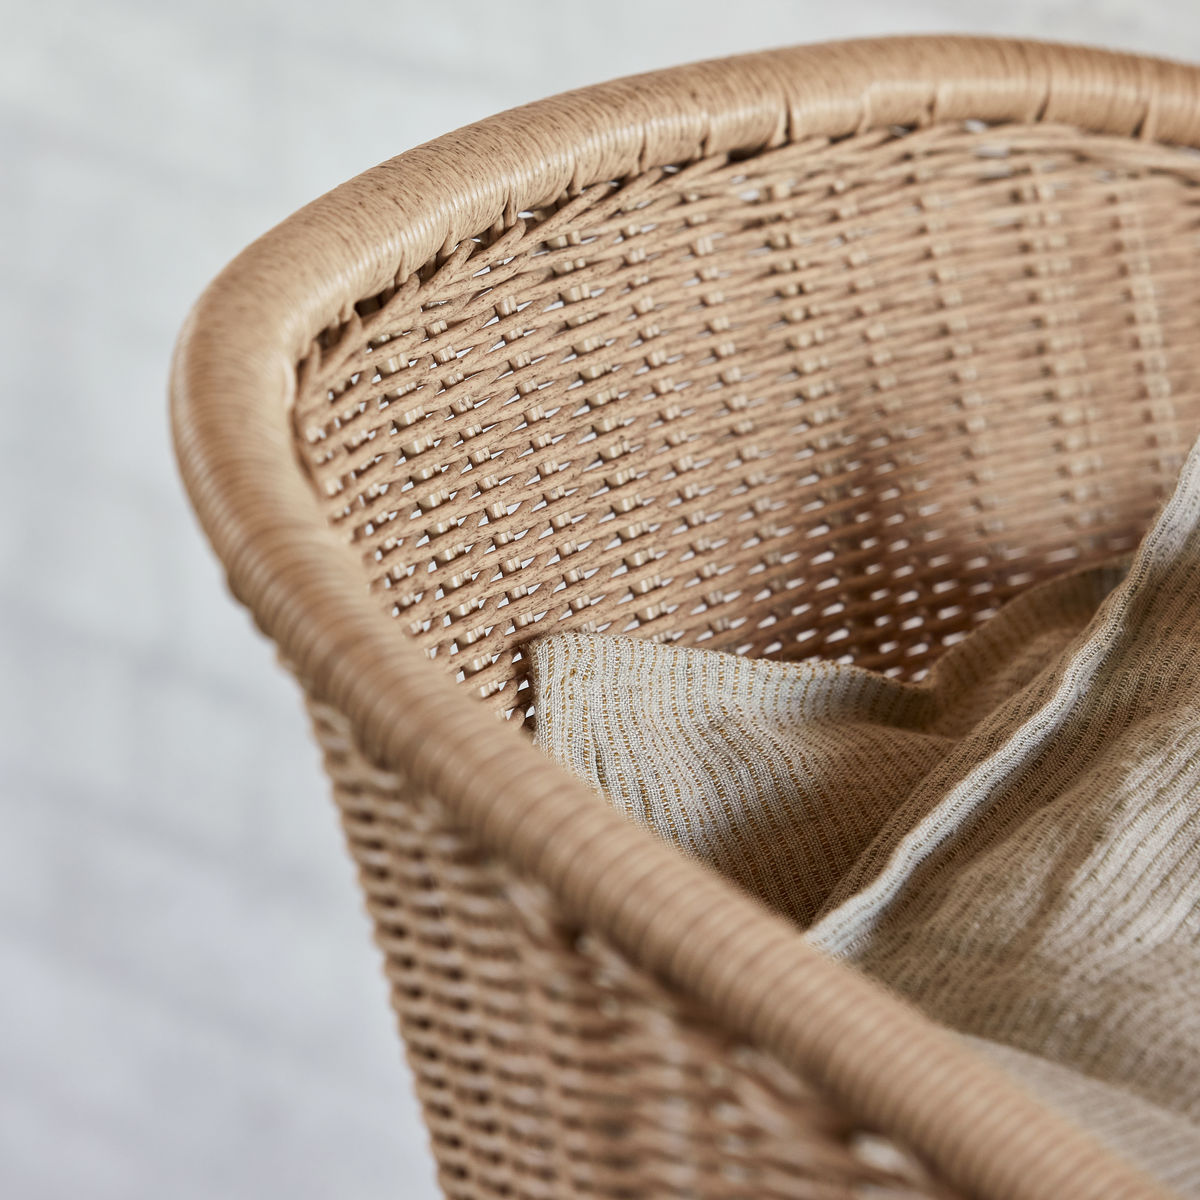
point(1013, 844)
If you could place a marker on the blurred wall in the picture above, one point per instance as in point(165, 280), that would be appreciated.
point(189, 1003)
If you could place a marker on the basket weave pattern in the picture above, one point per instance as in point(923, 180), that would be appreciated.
point(826, 352)
point(549, 1066)
point(838, 398)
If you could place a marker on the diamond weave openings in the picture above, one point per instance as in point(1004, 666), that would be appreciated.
point(838, 397)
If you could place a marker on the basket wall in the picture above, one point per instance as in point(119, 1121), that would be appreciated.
point(838, 397)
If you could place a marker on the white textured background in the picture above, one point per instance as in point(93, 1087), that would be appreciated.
point(189, 1003)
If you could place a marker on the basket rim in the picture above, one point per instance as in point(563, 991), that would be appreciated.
point(232, 387)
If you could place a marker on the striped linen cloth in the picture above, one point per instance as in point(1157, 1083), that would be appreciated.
point(1013, 844)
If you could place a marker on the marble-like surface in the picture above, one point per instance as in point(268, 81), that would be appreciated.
point(189, 1002)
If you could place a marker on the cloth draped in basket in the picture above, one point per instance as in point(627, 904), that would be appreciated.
point(1013, 843)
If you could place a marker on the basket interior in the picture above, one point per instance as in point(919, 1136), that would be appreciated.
point(837, 398)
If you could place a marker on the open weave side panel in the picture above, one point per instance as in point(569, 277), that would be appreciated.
point(547, 1066)
point(838, 398)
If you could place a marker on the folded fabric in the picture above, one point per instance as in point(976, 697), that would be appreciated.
point(1013, 843)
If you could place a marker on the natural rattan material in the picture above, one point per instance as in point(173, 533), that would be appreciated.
point(839, 399)
point(828, 350)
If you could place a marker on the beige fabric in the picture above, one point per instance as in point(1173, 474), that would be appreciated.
point(1014, 844)
point(1161, 1143)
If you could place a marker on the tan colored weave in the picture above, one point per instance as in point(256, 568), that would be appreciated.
point(838, 398)
point(828, 350)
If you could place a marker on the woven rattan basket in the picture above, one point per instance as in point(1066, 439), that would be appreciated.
point(826, 351)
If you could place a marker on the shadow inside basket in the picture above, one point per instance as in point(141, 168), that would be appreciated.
point(840, 398)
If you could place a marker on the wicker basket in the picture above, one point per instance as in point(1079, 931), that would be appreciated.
point(828, 351)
